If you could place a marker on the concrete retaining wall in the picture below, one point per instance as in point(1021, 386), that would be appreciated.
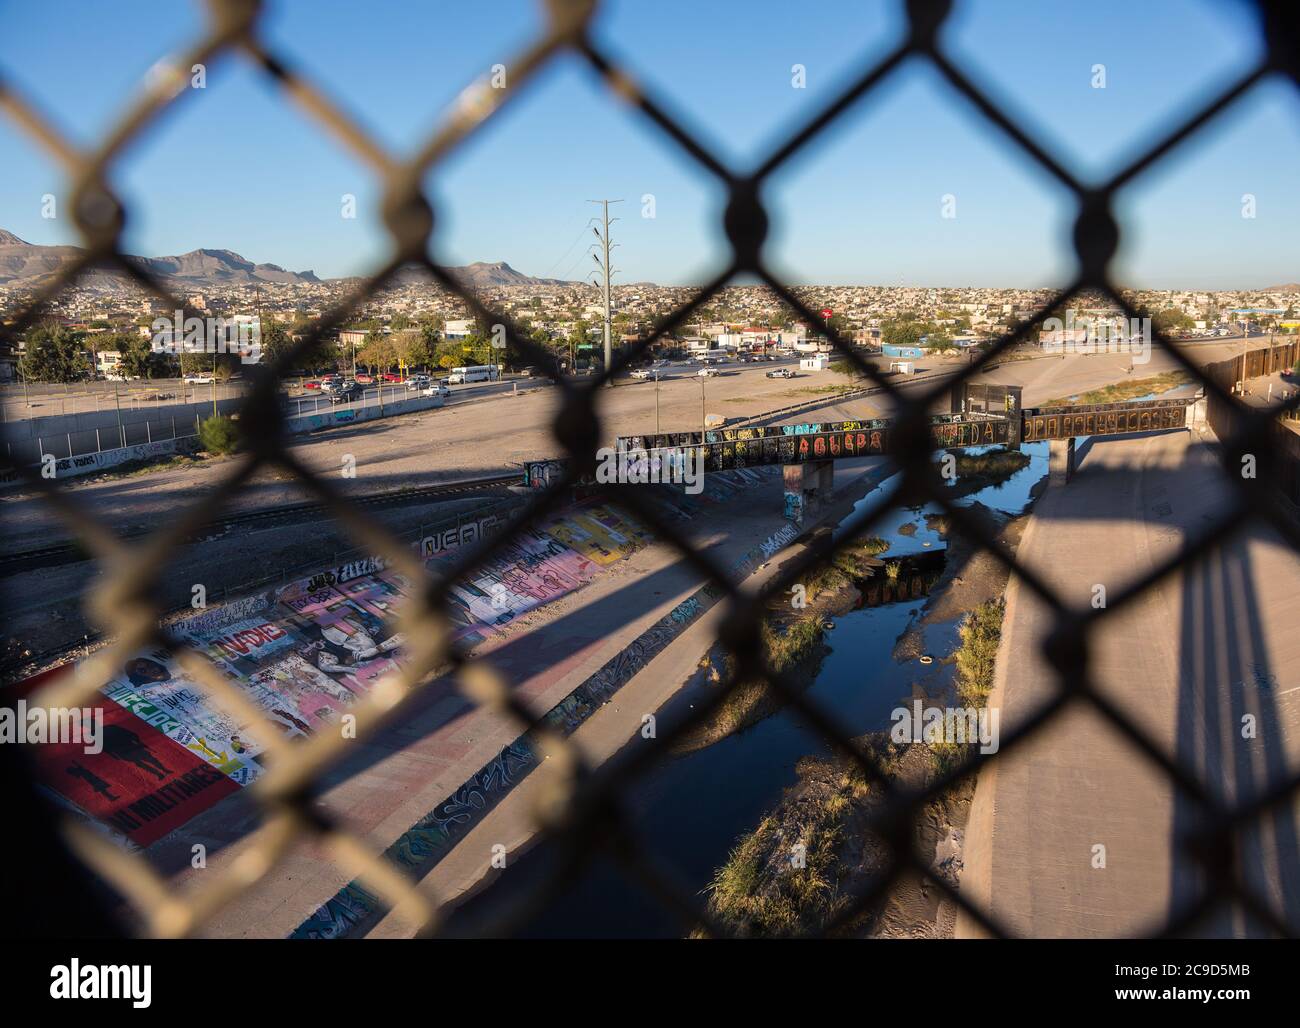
point(335, 417)
point(90, 463)
point(58, 426)
point(143, 442)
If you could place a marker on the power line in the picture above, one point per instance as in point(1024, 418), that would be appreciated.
point(576, 239)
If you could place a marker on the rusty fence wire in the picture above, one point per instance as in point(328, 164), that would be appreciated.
point(583, 812)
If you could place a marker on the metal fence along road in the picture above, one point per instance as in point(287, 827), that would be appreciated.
point(586, 817)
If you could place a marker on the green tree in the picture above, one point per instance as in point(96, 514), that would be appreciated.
point(1171, 319)
point(902, 332)
point(378, 353)
point(218, 434)
point(940, 341)
point(414, 347)
point(54, 354)
point(139, 358)
point(580, 341)
point(274, 340)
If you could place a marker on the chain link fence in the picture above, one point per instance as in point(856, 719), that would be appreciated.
point(584, 812)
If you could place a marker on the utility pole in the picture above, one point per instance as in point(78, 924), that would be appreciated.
point(607, 271)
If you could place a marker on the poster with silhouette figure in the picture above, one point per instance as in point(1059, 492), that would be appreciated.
point(141, 783)
point(157, 690)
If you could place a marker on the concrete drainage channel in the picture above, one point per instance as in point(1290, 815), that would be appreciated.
point(353, 911)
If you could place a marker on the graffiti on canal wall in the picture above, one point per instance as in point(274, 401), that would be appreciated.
point(433, 836)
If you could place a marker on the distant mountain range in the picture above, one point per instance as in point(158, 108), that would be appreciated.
point(27, 264)
point(23, 263)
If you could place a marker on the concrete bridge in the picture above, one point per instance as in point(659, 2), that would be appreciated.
point(981, 415)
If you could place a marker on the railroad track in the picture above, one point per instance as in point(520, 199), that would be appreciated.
point(72, 551)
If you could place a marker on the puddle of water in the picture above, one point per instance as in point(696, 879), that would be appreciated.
point(689, 812)
point(1012, 496)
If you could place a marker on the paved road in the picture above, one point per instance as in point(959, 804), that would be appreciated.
point(1186, 663)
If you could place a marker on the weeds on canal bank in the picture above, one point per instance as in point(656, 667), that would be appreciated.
point(782, 879)
point(856, 561)
point(795, 651)
point(976, 659)
point(991, 466)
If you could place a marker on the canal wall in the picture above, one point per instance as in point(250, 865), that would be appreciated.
point(434, 835)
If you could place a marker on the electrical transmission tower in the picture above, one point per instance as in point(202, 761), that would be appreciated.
point(607, 271)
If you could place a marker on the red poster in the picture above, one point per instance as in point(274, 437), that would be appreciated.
point(141, 783)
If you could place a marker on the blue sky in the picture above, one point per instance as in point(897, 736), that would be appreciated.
point(239, 166)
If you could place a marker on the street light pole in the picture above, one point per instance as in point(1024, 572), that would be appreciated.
point(1245, 347)
point(656, 401)
point(703, 416)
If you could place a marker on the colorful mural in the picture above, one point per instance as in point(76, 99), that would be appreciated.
point(303, 654)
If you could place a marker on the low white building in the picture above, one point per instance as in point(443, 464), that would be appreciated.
point(107, 361)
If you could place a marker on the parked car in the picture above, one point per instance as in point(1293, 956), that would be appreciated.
point(365, 379)
point(388, 376)
point(781, 373)
point(199, 379)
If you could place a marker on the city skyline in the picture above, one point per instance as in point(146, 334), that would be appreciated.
point(863, 209)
